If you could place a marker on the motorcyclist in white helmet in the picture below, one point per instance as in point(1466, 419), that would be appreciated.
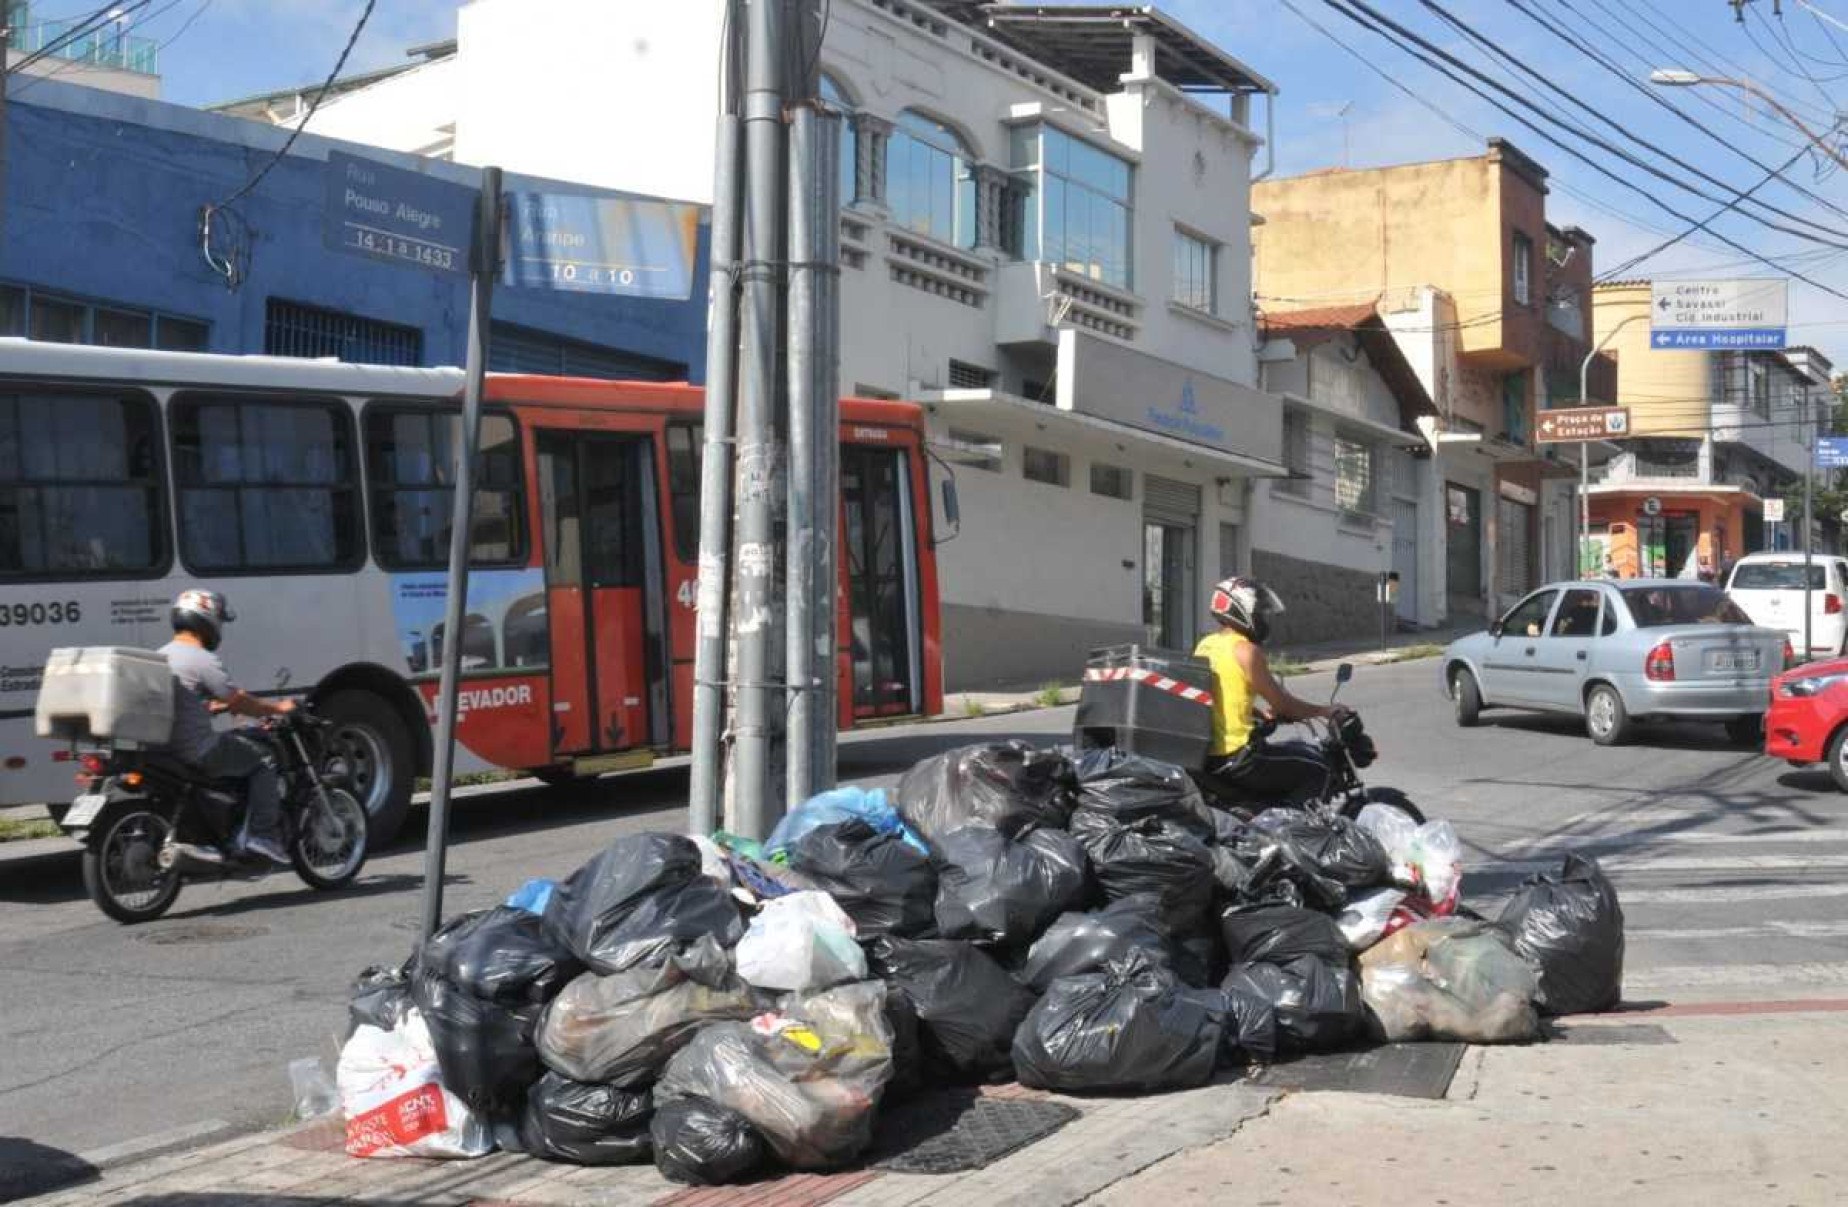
point(1243, 760)
point(198, 619)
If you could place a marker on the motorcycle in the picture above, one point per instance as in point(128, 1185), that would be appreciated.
point(149, 822)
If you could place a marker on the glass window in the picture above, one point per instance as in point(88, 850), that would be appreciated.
point(1353, 475)
point(411, 458)
point(1778, 576)
point(1295, 453)
point(1514, 406)
point(929, 184)
point(685, 448)
point(1659, 607)
point(179, 335)
point(80, 492)
point(1578, 615)
point(59, 320)
point(122, 329)
point(12, 310)
point(1083, 205)
point(975, 450)
point(832, 93)
point(1044, 465)
point(1194, 275)
point(265, 486)
point(1523, 254)
point(1112, 481)
point(1528, 618)
point(56, 321)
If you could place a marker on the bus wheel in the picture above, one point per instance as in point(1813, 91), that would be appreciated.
point(368, 738)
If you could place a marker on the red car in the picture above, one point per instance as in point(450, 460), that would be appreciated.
point(1808, 721)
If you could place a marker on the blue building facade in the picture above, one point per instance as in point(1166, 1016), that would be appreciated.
point(102, 243)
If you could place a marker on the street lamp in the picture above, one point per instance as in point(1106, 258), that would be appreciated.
point(1674, 77)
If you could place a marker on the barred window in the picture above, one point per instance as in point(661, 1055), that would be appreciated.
point(296, 329)
point(1044, 465)
point(1112, 481)
point(1353, 475)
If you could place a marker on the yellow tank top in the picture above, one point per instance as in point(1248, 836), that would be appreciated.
point(1231, 691)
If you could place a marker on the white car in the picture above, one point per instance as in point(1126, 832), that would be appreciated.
point(1769, 587)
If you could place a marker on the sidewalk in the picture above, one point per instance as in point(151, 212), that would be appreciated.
point(1699, 1103)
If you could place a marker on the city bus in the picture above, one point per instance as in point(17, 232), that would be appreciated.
point(317, 496)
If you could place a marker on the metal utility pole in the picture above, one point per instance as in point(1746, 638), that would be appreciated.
point(1809, 474)
point(715, 480)
point(484, 268)
point(1584, 450)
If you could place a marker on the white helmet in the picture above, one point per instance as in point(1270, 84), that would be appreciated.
point(204, 614)
point(1247, 605)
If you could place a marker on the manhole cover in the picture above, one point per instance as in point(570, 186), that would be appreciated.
point(201, 932)
point(1407, 1070)
point(958, 1130)
point(1612, 1033)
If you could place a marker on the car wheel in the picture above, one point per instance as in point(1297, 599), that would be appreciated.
point(1466, 696)
point(1606, 719)
point(1838, 758)
point(1748, 730)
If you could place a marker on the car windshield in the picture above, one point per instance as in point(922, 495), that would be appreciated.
point(1779, 576)
point(1660, 606)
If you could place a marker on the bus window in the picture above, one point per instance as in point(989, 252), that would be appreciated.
point(79, 486)
point(265, 486)
point(524, 634)
point(412, 456)
point(478, 648)
point(684, 449)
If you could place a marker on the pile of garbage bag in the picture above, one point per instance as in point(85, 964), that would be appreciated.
point(1082, 923)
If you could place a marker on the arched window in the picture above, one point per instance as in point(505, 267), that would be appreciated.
point(929, 184)
point(831, 92)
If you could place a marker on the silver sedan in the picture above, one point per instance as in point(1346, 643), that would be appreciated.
point(1621, 652)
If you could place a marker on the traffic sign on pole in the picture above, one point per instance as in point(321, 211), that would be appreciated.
point(1701, 315)
point(1568, 425)
point(1832, 452)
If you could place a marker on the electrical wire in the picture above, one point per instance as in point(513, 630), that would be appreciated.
point(1703, 224)
point(69, 64)
point(83, 29)
point(1680, 35)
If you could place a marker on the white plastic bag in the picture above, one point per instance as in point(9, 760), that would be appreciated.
point(802, 941)
point(1397, 833)
point(1367, 916)
point(1437, 853)
point(395, 1103)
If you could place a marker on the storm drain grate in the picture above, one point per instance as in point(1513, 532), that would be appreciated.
point(200, 932)
point(1612, 1033)
point(1404, 1070)
point(955, 1131)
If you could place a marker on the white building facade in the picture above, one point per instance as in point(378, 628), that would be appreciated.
point(1045, 240)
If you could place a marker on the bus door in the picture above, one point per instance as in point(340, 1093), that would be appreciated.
point(880, 558)
point(603, 583)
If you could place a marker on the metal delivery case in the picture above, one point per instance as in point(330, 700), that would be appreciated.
point(1147, 701)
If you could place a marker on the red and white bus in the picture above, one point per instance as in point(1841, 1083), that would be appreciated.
point(317, 497)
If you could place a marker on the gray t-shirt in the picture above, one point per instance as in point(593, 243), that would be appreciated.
point(202, 677)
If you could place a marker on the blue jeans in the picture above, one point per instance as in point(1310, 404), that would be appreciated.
point(241, 756)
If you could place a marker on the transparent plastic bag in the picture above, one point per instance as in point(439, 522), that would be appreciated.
point(799, 942)
point(314, 1092)
point(1449, 979)
point(1368, 916)
point(1437, 854)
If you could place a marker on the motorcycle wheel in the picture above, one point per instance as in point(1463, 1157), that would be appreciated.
point(330, 840)
point(1391, 798)
point(121, 867)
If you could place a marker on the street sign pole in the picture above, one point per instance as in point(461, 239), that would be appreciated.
point(483, 268)
point(1809, 472)
point(1585, 449)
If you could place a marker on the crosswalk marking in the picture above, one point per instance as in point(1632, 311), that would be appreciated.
point(1624, 842)
point(1731, 894)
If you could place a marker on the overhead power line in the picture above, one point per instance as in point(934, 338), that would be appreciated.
point(1703, 224)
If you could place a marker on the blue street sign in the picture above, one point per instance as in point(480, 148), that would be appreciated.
point(602, 244)
point(390, 214)
point(1746, 338)
point(1832, 452)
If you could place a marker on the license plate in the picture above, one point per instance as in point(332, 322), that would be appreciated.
point(83, 810)
point(1747, 661)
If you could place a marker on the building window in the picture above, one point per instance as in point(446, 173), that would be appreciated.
point(685, 449)
point(929, 184)
point(295, 329)
point(514, 349)
point(51, 318)
point(965, 376)
point(265, 487)
point(1760, 399)
point(1523, 270)
point(1112, 481)
point(1044, 465)
point(1353, 476)
point(411, 460)
point(1081, 210)
point(975, 450)
point(1195, 272)
point(80, 486)
point(832, 93)
point(1514, 407)
point(1295, 453)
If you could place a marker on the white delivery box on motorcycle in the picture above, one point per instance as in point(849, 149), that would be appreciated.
point(106, 693)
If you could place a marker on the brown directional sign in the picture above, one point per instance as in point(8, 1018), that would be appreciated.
point(1570, 425)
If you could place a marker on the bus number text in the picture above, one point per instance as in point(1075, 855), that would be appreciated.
point(19, 614)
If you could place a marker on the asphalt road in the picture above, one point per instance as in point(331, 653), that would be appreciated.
point(1733, 870)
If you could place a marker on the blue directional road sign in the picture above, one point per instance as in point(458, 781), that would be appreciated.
point(387, 213)
point(1832, 452)
point(592, 244)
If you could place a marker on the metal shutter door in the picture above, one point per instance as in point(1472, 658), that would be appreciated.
point(1513, 547)
point(1170, 501)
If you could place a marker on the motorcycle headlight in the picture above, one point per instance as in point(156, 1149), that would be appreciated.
point(1811, 685)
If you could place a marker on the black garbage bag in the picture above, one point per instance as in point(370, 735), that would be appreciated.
point(996, 890)
point(886, 885)
point(642, 897)
point(968, 1007)
point(379, 997)
point(485, 1049)
point(907, 1045)
point(1131, 787)
point(1276, 933)
point(1317, 1003)
point(1331, 847)
point(1077, 943)
point(1199, 956)
point(501, 955)
point(1005, 786)
point(586, 1124)
point(1132, 1027)
point(699, 1143)
point(1150, 856)
point(1251, 1025)
point(1569, 928)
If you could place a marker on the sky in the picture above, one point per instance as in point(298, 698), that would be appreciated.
point(1377, 106)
